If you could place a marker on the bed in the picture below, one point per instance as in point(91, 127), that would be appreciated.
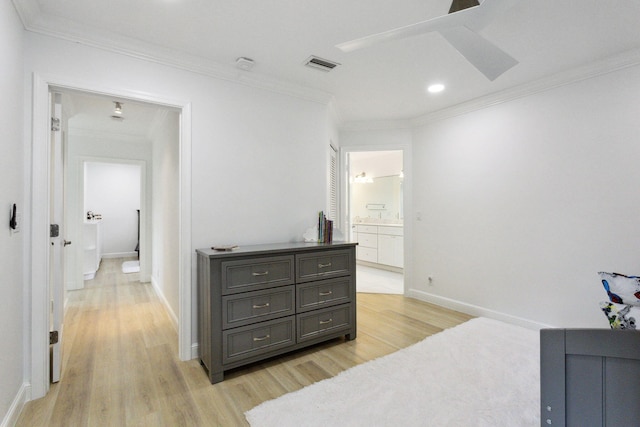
point(590, 377)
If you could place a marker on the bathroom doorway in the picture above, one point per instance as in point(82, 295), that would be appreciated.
point(376, 219)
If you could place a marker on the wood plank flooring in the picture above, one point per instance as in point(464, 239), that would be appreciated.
point(120, 365)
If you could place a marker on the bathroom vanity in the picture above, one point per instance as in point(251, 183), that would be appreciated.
point(381, 244)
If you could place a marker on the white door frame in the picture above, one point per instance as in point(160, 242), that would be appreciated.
point(407, 198)
point(39, 254)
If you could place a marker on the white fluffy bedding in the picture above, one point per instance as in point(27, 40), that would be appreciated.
point(481, 373)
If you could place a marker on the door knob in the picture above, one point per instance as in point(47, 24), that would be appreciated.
point(66, 242)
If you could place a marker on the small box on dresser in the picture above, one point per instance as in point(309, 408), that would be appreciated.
point(260, 301)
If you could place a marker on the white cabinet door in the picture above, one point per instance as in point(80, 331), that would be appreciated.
point(368, 240)
point(366, 254)
point(391, 250)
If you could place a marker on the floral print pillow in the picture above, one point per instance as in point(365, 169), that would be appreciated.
point(621, 289)
point(621, 316)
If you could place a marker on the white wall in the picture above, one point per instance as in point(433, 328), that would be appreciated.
point(258, 157)
point(113, 191)
point(165, 211)
point(524, 202)
point(13, 292)
point(516, 207)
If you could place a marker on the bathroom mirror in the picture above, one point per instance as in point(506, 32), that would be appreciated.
point(381, 199)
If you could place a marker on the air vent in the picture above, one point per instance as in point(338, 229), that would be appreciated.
point(320, 64)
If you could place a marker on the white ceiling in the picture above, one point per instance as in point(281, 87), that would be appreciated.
point(384, 82)
point(92, 113)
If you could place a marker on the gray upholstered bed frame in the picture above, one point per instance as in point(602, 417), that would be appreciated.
point(590, 377)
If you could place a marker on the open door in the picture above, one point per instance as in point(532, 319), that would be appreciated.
point(58, 243)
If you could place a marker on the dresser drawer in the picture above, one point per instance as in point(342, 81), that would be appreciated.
point(257, 306)
point(257, 273)
point(323, 293)
point(321, 265)
point(248, 341)
point(326, 321)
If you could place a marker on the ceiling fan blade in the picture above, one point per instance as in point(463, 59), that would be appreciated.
point(458, 5)
point(434, 24)
point(489, 59)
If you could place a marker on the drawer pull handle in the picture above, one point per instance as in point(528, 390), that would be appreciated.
point(266, 337)
point(324, 294)
point(265, 305)
point(263, 273)
point(324, 322)
point(324, 265)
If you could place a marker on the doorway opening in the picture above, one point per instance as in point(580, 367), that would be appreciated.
point(179, 215)
point(376, 219)
point(111, 226)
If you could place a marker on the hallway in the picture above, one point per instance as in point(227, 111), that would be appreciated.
point(119, 357)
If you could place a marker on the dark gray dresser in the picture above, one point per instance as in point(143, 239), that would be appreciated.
point(260, 301)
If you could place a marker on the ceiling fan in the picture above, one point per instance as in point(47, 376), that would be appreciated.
point(460, 28)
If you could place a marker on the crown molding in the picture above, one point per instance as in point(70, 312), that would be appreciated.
point(28, 11)
point(34, 21)
point(365, 125)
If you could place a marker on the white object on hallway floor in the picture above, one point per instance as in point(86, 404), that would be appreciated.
point(131, 266)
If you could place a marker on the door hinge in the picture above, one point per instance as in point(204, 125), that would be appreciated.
point(53, 337)
point(54, 230)
point(55, 124)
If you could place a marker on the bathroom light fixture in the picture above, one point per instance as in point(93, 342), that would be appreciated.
point(362, 178)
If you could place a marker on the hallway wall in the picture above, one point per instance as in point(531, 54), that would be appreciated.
point(14, 289)
point(165, 211)
point(113, 191)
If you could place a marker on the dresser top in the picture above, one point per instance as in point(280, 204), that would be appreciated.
point(273, 248)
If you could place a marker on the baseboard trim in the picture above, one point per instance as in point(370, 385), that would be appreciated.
point(195, 351)
point(120, 255)
point(380, 266)
point(172, 315)
point(475, 310)
point(23, 396)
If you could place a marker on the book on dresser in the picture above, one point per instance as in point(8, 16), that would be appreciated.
point(260, 301)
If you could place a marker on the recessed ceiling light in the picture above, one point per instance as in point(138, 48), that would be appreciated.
point(435, 88)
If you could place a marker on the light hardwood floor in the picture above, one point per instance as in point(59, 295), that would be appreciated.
point(120, 365)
